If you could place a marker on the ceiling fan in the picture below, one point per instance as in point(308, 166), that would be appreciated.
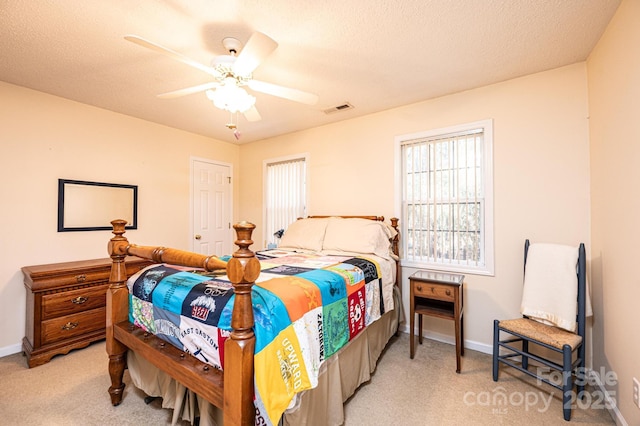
point(231, 72)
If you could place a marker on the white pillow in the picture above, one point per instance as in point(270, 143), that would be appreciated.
point(305, 234)
point(357, 235)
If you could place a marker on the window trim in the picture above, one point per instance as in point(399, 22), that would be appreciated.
point(265, 163)
point(488, 235)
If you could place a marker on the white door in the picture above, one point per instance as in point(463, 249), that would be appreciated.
point(211, 207)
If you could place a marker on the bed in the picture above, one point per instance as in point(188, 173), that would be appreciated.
point(320, 309)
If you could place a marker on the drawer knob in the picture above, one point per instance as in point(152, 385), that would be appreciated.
point(79, 300)
point(81, 278)
point(448, 292)
point(419, 288)
point(69, 326)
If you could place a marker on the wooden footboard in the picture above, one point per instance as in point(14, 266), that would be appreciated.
point(231, 390)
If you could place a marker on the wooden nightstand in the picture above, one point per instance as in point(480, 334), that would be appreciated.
point(437, 294)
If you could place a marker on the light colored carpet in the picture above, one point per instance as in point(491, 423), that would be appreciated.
point(427, 391)
point(72, 390)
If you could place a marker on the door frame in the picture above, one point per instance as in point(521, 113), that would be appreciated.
point(193, 159)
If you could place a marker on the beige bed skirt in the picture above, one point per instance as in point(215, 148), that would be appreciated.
point(339, 378)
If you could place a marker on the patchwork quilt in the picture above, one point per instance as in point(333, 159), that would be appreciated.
point(306, 307)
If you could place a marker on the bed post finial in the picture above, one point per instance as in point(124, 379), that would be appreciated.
point(243, 270)
point(243, 232)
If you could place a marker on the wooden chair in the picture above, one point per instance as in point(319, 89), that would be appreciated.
point(570, 345)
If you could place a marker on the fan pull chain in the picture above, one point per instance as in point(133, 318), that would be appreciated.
point(233, 126)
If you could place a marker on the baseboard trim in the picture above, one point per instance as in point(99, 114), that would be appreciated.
point(10, 350)
point(446, 338)
point(615, 413)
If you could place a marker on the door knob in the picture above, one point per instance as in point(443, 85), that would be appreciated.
point(198, 236)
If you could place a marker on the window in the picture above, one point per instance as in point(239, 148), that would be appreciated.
point(285, 193)
point(447, 198)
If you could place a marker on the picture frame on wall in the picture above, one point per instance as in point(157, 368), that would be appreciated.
point(91, 206)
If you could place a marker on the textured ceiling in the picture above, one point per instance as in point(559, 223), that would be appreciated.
point(374, 54)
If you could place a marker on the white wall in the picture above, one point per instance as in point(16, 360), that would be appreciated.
point(614, 108)
point(44, 138)
point(541, 158)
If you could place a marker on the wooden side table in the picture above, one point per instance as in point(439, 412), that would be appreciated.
point(437, 294)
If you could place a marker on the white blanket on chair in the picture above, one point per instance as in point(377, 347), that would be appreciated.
point(551, 285)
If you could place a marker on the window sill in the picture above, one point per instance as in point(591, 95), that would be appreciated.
point(459, 269)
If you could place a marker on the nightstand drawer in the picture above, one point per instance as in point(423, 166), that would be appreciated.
point(73, 301)
point(73, 325)
point(434, 291)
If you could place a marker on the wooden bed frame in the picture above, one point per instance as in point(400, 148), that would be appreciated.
point(230, 390)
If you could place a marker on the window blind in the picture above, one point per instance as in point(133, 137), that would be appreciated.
point(443, 198)
point(285, 195)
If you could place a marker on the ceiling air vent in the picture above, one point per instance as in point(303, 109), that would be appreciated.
point(342, 107)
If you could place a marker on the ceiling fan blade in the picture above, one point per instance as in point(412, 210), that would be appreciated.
point(188, 90)
point(168, 52)
point(257, 48)
point(283, 92)
point(252, 114)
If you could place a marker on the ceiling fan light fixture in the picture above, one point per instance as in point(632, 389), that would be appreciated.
point(229, 97)
point(231, 72)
